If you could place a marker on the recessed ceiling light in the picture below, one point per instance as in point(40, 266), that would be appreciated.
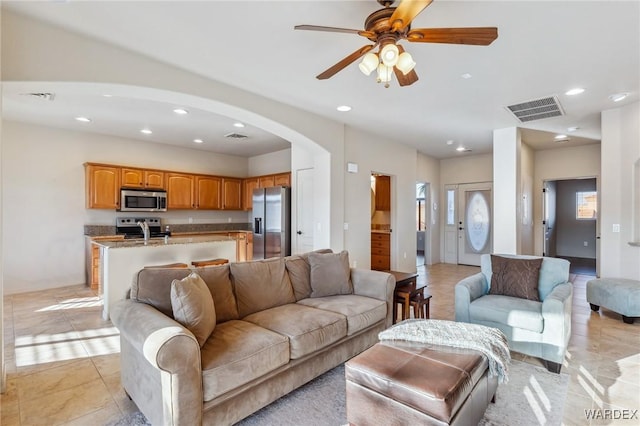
point(238, 124)
point(107, 96)
point(466, 76)
point(181, 111)
point(198, 140)
point(618, 97)
point(461, 149)
point(146, 131)
point(83, 119)
point(344, 108)
point(574, 92)
point(560, 137)
point(449, 142)
point(572, 129)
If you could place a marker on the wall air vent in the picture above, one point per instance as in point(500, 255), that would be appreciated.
point(45, 96)
point(235, 136)
point(536, 109)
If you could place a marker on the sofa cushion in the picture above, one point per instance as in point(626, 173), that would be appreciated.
point(261, 285)
point(300, 273)
point(512, 311)
point(361, 312)
point(192, 306)
point(153, 287)
point(218, 280)
point(238, 352)
point(308, 329)
point(515, 277)
point(330, 274)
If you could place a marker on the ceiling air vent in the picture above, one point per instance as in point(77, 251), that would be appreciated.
point(235, 136)
point(45, 96)
point(537, 109)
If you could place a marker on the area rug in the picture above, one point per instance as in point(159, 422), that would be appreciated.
point(533, 396)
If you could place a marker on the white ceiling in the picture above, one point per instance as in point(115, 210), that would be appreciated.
point(543, 48)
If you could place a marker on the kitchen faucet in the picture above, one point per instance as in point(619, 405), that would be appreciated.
point(145, 229)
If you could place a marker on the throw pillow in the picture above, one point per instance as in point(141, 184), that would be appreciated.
point(515, 277)
point(193, 307)
point(330, 274)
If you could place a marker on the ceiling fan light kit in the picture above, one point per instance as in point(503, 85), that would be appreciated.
point(385, 27)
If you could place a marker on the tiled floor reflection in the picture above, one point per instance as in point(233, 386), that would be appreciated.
point(63, 365)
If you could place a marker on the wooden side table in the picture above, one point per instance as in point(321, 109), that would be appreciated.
point(405, 285)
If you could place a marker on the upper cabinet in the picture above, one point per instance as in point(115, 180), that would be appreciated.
point(282, 179)
point(102, 184)
point(140, 178)
point(248, 185)
point(180, 191)
point(208, 193)
point(185, 191)
point(232, 194)
point(383, 193)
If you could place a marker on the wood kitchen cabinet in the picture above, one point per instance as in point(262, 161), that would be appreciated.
point(102, 185)
point(266, 181)
point(231, 194)
point(180, 191)
point(140, 178)
point(383, 193)
point(208, 193)
point(248, 185)
point(282, 179)
point(380, 251)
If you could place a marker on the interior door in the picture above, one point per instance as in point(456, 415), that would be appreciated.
point(474, 222)
point(304, 211)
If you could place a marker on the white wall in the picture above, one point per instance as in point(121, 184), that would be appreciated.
point(526, 200)
point(273, 162)
point(3, 377)
point(43, 195)
point(571, 232)
point(428, 170)
point(506, 190)
point(373, 154)
point(620, 150)
point(558, 164)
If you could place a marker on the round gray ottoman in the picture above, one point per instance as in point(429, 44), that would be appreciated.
point(620, 295)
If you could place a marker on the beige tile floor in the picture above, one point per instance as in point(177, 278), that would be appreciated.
point(63, 365)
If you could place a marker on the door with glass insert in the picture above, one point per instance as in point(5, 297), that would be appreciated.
point(474, 222)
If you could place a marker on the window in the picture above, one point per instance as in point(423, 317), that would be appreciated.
point(421, 213)
point(586, 205)
point(451, 210)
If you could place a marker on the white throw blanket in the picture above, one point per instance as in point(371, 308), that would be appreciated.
point(488, 340)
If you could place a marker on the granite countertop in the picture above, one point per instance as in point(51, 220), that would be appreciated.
point(153, 242)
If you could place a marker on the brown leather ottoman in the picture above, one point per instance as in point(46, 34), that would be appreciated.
point(405, 383)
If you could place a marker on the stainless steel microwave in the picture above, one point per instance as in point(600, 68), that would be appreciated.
point(140, 200)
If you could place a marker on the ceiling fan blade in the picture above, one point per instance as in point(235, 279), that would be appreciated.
point(405, 80)
point(481, 36)
point(330, 72)
point(406, 12)
point(408, 79)
point(366, 34)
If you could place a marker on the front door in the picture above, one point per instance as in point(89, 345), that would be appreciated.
point(474, 222)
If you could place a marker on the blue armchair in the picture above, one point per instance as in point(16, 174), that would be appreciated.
point(540, 329)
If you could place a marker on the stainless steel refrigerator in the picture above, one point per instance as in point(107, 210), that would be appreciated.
point(271, 222)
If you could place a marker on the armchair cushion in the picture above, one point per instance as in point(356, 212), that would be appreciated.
point(514, 312)
point(515, 277)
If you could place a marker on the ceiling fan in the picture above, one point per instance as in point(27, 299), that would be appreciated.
point(385, 28)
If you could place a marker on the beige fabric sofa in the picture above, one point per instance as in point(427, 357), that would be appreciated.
point(277, 327)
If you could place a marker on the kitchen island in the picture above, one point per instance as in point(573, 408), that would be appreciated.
point(120, 260)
